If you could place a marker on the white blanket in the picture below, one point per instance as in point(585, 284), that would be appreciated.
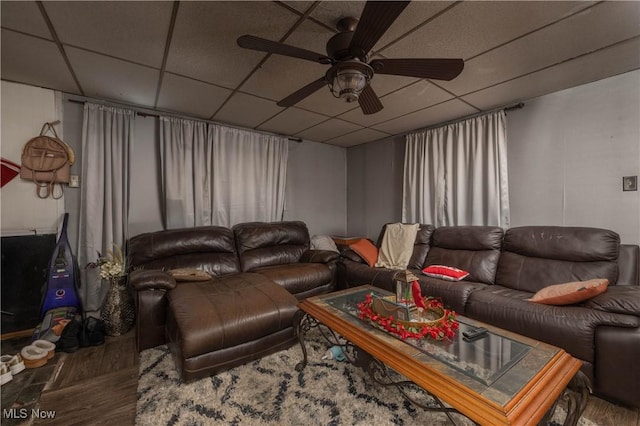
point(397, 245)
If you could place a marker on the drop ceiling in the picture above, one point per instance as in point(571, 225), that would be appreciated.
point(182, 58)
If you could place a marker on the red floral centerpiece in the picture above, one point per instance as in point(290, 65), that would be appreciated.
point(443, 328)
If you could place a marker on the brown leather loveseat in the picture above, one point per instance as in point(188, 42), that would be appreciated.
point(507, 267)
point(260, 271)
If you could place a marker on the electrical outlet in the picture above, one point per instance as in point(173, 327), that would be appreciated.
point(74, 181)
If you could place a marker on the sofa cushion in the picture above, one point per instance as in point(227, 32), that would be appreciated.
point(298, 278)
point(538, 256)
point(617, 299)
point(266, 244)
point(475, 249)
point(570, 293)
point(210, 248)
point(228, 311)
point(570, 327)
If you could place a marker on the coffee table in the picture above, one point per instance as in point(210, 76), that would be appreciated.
point(502, 379)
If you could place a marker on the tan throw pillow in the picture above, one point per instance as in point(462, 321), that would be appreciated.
point(366, 250)
point(190, 274)
point(570, 293)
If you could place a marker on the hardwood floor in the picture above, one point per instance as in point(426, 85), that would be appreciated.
point(98, 385)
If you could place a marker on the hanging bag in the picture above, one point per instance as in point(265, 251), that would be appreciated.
point(46, 161)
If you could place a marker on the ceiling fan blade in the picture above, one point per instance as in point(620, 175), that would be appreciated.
point(299, 95)
point(369, 101)
point(264, 45)
point(437, 69)
point(375, 20)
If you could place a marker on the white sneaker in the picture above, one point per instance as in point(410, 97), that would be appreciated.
point(5, 373)
point(14, 362)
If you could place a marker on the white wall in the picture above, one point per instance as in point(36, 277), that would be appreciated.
point(24, 110)
point(568, 152)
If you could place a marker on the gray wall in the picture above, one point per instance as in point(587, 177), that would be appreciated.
point(374, 186)
point(317, 187)
point(567, 153)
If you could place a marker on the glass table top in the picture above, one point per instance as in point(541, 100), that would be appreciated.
point(497, 366)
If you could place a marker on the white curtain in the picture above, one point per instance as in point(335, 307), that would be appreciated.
point(457, 174)
point(185, 162)
point(217, 175)
point(107, 136)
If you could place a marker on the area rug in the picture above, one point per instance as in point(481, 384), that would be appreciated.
point(270, 392)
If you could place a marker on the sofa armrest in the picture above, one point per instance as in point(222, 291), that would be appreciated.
point(352, 255)
point(618, 299)
point(319, 256)
point(151, 279)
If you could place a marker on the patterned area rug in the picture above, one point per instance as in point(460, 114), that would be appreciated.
point(270, 392)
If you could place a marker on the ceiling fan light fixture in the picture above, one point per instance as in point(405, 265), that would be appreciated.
point(348, 78)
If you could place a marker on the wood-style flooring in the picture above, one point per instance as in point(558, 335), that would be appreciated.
point(97, 385)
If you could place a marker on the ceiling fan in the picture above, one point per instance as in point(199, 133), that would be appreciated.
point(347, 52)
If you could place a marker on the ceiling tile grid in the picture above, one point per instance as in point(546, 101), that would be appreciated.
point(133, 53)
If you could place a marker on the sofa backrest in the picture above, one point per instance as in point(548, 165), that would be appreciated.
point(629, 265)
point(420, 247)
point(475, 249)
point(538, 256)
point(267, 244)
point(210, 248)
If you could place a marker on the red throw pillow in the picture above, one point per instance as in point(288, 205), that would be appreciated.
point(448, 273)
point(569, 293)
point(366, 250)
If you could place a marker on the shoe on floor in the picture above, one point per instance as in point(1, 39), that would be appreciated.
point(47, 346)
point(14, 362)
point(5, 373)
point(33, 356)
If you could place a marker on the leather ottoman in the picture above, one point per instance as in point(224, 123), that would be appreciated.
point(228, 321)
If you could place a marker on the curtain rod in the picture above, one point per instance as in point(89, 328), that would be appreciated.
point(513, 107)
point(148, 114)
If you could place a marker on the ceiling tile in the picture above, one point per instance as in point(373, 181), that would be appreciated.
point(440, 113)
point(190, 97)
point(474, 27)
point(585, 32)
point(291, 121)
point(132, 30)
point(414, 97)
point(34, 61)
point(24, 16)
point(330, 12)
point(246, 110)
point(109, 78)
point(204, 38)
point(282, 75)
point(358, 137)
point(328, 130)
point(415, 14)
point(596, 66)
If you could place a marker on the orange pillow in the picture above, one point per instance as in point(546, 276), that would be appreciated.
point(569, 293)
point(366, 250)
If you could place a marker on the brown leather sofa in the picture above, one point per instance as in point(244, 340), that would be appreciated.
point(507, 267)
point(260, 271)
